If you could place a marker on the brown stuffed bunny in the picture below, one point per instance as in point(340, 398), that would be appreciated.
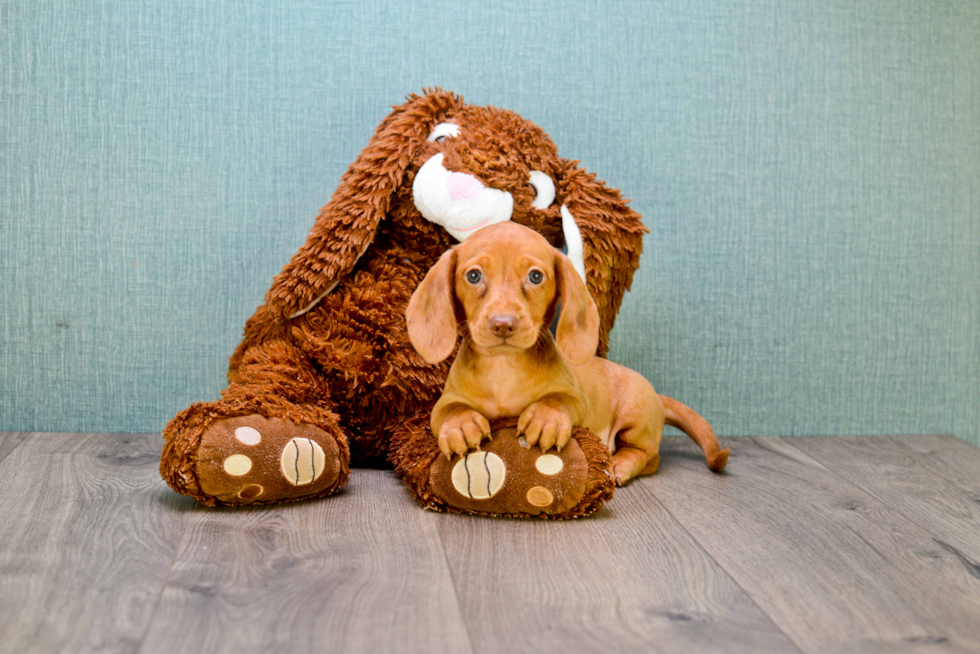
point(325, 375)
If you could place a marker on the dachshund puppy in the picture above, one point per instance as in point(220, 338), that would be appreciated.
point(505, 284)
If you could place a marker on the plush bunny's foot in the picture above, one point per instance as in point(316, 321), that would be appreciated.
point(506, 477)
point(253, 459)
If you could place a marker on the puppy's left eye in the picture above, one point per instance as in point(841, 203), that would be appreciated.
point(474, 276)
point(535, 277)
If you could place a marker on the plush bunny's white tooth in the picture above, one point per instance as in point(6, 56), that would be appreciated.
point(573, 241)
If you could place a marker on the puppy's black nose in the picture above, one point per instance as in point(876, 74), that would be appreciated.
point(503, 326)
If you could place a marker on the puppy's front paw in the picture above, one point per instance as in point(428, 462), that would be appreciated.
point(546, 425)
point(463, 431)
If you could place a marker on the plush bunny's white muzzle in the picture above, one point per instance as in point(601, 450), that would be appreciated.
point(457, 201)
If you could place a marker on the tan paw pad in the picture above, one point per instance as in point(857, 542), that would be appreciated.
point(549, 464)
point(301, 461)
point(540, 496)
point(237, 465)
point(250, 492)
point(248, 435)
point(479, 475)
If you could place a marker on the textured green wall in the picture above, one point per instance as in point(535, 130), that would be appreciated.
point(809, 170)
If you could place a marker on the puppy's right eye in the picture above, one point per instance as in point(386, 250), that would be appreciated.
point(474, 276)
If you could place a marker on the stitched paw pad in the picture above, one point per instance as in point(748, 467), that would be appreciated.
point(508, 477)
point(256, 459)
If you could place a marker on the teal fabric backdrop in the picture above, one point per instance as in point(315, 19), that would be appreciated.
point(809, 171)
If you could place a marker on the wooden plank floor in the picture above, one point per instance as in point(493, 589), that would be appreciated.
point(804, 545)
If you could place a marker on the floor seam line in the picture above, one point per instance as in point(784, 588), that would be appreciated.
point(23, 437)
point(727, 572)
point(733, 579)
point(166, 581)
point(883, 502)
point(452, 578)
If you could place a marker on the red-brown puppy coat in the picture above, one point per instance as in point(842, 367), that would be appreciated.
point(505, 284)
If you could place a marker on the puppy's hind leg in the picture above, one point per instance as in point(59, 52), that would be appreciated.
point(639, 429)
point(637, 452)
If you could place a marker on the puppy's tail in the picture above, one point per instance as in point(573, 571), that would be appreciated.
point(685, 419)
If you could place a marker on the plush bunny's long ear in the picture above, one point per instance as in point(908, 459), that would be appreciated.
point(431, 312)
point(578, 325)
point(612, 239)
point(347, 224)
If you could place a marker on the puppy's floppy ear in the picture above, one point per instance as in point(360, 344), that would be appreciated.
point(612, 236)
point(431, 313)
point(578, 324)
point(347, 224)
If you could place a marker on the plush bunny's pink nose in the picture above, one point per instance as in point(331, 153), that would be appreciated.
point(463, 187)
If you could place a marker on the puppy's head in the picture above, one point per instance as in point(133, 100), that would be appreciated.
point(507, 282)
